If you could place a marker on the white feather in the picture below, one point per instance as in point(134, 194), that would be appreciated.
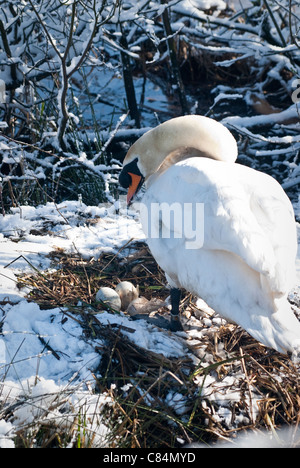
point(246, 266)
point(244, 263)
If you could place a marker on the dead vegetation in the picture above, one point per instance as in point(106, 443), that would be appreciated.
point(78, 280)
point(225, 384)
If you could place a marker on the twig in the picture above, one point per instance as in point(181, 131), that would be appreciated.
point(248, 383)
point(204, 18)
point(275, 23)
point(175, 70)
point(29, 263)
point(48, 347)
point(293, 36)
point(115, 256)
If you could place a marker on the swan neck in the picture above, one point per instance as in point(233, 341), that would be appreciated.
point(210, 138)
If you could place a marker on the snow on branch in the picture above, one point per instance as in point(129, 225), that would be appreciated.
point(64, 62)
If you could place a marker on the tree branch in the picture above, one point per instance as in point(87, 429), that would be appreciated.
point(175, 70)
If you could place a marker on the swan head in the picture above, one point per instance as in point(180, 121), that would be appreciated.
point(207, 136)
point(131, 178)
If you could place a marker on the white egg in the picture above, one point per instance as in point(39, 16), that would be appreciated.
point(109, 297)
point(127, 293)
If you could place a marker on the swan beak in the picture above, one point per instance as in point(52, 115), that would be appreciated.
point(133, 188)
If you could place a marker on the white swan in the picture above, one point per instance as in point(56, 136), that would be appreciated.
point(244, 265)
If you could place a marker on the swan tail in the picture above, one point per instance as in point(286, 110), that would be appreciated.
point(280, 330)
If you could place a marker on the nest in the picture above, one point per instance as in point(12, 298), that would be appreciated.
point(227, 381)
point(76, 279)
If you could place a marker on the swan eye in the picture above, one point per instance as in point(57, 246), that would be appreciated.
point(125, 178)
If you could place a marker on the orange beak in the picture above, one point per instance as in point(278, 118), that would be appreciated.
point(135, 181)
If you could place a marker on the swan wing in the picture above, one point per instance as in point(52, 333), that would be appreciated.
point(259, 230)
point(246, 213)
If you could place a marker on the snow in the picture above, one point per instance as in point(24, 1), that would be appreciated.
point(46, 364)
point(29, 332)
point(252, 121)
point(5, 429)
point(25, 324)
point(203, 4)
point(44, 357)
point(43, 400)
point(145, 335)
point(89, 240)
point(177, 401)
point(43, 353)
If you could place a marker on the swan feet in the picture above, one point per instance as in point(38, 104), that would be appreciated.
point(175, 324)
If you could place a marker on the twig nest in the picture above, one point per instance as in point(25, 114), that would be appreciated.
point(109, 297)
point(127, 293)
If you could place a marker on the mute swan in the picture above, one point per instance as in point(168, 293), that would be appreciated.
point(244, 263)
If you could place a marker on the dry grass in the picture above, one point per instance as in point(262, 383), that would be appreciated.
point(78, 280)
point(228, 382)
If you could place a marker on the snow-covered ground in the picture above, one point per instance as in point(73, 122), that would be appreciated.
point(46, 364)
point(29, 369)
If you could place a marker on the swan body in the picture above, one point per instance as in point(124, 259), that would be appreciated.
point(244, 266)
